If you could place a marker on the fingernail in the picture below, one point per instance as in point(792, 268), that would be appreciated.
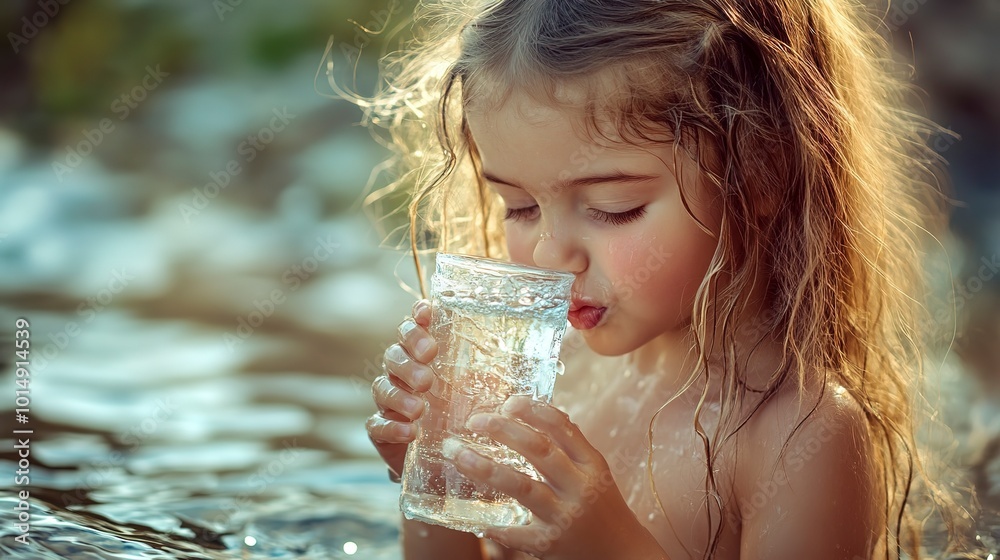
point(406, 326)
point(404, 430)
point(468, 458)
point(514, 404)
point(419, 306)
point(450, 448)
point(423, 376)
point(478, 422)
point(397, 355)
point(423, 345)
point(412, 404)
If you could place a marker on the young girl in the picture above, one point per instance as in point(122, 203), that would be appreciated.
point(740, 197)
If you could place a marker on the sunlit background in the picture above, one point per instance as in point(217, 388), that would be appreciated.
point(181, 225)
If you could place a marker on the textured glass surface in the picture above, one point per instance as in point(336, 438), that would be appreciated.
point(499, 327)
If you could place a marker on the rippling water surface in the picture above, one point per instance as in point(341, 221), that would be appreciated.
point(198, 388)
point(152, 440)
point(172, 449)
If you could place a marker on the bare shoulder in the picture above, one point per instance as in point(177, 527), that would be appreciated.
point(808, 466)
point(798, 437)
point(808, 462)
point(795, 416)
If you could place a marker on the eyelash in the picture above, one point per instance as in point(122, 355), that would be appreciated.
point(613, 218)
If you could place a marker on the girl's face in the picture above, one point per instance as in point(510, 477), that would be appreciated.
point(611, 213)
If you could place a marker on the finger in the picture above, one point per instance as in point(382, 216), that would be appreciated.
point(389, 397)
point(414, 375)
point(383, 430)
point(535, 538)
point(422, 312)
point(554, 422)
point(417, 342)
point(537, 448)
point(532, 494)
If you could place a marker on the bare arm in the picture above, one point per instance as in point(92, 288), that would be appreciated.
point(422, 541)
point(823, 501)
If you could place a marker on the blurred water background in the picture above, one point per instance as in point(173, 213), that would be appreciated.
point(180, 224)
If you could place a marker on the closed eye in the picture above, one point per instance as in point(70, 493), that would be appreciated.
point(519, 214)
point(618, 218)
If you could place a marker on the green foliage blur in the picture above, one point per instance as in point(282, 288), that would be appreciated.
point(66, 64)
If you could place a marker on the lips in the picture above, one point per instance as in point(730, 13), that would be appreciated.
point(584, 314)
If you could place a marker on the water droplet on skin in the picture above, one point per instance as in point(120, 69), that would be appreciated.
point(651, 516)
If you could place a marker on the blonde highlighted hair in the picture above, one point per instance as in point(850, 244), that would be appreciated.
point(794, 114)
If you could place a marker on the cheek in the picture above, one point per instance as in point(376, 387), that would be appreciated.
point(657, 263)
point(636, 269)
point(520, 247)
point(627, 253)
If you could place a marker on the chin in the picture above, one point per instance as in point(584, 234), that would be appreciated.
point(606, 343)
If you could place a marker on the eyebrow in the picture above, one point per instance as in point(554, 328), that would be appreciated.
point(613, 177)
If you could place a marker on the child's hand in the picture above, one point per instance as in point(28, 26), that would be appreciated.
point(391, 429)
point(578, 512)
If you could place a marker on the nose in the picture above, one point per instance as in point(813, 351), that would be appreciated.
point(563, 253)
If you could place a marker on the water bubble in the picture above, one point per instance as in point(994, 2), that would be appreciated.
point(249, 541)
point(350, 548)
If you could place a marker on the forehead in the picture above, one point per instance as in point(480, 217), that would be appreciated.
point(526, 133)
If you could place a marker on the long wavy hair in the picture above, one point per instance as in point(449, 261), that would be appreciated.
point(796, 115)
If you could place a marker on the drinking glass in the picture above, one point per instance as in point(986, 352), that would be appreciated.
point(499, 327)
